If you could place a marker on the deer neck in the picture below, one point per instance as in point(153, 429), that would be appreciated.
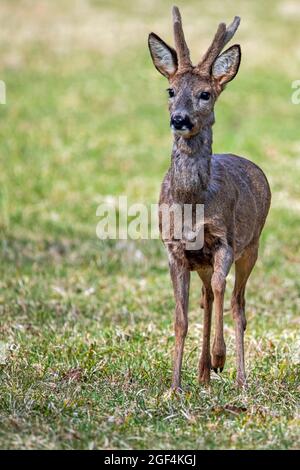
point(190, 167)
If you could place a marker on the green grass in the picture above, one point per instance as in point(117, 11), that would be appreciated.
point(88, 324)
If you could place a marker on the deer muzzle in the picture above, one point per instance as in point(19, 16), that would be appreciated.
point(181, 122)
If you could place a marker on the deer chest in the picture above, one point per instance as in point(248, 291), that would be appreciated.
point(194, 259)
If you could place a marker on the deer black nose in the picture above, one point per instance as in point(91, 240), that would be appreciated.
point(180, 122)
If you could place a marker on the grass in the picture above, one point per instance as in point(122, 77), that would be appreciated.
point(86, 325)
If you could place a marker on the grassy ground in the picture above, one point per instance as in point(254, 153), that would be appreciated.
point(86, 326)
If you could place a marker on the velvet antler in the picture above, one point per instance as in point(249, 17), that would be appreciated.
point(222, 37)
point(182, 50)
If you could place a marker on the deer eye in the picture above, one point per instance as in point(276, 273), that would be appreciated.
point(171, 92)
point(205, 95)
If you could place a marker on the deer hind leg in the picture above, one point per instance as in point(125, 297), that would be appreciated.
point(206, 303)
point(180, 276)
point(223, 259)
point(243, 268)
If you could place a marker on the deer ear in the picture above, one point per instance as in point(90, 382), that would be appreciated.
point(226, 66)
point(164, 57)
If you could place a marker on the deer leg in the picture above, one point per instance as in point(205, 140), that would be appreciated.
point(206, 303)
point(222, 262)
point(243, 268)
point(180, 276)
point(202, 297)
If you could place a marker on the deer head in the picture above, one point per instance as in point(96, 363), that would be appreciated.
point(193, 89)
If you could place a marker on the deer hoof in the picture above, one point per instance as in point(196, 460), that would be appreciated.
point(241, 382)
point(204, 370)
point(218, 362)
point(204, 376)
point(175, 390)
point(217, 369)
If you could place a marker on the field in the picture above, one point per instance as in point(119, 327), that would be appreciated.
point(86, 329)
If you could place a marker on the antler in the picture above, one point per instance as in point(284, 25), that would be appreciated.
point(182, 50)
point(222, 37)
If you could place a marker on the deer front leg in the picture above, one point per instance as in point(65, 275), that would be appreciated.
point(206, 303)
point(202, 297)
point(223, 259)
point(180, 276)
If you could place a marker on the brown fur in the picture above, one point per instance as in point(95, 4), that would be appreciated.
point(236, 198)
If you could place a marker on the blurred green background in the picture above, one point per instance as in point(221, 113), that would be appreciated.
point(86, 326)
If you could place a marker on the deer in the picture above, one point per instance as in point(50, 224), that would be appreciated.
point(234, 191)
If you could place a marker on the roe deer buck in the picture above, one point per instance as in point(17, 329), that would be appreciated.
point(234, 191)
